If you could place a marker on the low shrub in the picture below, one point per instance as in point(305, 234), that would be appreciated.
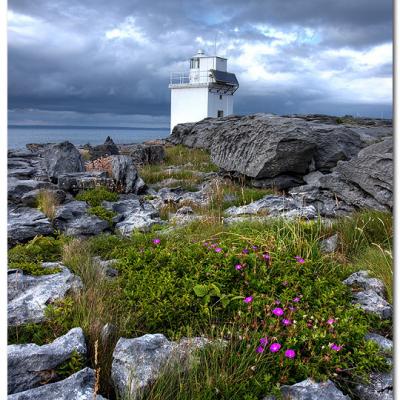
point(29, 257)
point(103, 213)
point(96, 196)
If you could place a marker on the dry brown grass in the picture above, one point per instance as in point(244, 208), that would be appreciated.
point(47, 203)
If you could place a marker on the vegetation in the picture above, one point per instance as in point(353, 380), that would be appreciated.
point(47, 202)
point(103, 213)
point(97, 195)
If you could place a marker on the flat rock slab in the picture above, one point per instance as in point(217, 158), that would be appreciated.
point(79, 386)
point(77, 181)
point(29, 364)
point(25, 223)
point(29, 295)
point(379, 388)
point(138, 362)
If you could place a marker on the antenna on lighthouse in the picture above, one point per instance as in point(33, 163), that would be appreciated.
point(215, 43)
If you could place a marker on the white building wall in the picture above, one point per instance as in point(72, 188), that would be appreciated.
point(215, 103)
point(188, 105)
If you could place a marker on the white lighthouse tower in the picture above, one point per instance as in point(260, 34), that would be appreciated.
point(205, 91)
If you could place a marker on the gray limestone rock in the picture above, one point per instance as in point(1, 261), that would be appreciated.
point(380, 387)
point(144, 153)
point(29, 295)
point(385, 344)
point(311, 390)
point(73, 219)
point(25, 223)
point(138, 362)
point(372, 303)
point(30, 364)
point(124, 172)
point(17, 188)
point(79, 386)
point(329, 245)
point(361, 280)
point(62, 158)
point(79, 181)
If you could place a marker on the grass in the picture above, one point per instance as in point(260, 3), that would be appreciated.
point(103, 213)
point(47, 203)
point(94, 197)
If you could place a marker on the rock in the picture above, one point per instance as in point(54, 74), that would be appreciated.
point(379, 388)
point(372, 303)
point(138, 362)
point(133, 215)
point(29, 295)
point(265, 146)
point(143, 153)
point(73, 219)
point(125, 174)
point(274, 206)
point(280, 182)
point(80, 181)
point(103, 150)
point(313, 178)
point(25, 223)
point(372, 171)
point(310, 390)
point(30, 199)
point(79, 386)
point(386, 345)
point(185, 210)
point(329, 245)
point(107, 332)
point(362, 280)
point(62, 158)
point(17, 188)
point(106, 267)
point(324, 201)
point(29, 364)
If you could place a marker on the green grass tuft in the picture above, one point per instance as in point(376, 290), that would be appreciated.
point(96, 196)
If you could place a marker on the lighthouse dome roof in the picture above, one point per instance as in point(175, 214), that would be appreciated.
point(200, 53)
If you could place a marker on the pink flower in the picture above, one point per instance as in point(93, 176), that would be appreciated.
point(255, 248)
point(299, 259)
point(330, 321)
point(285, 283)
point(296, 299)
point(264, 341)
point(336, 347)
point(286, 322)
point(238, 267)
point(275, 347)
point(266, 256)
point(218, 250)
point(245, 251)
point(289, 353)
point(260, 349)
point(277, 311)
point(156, 241)
point(248, 299)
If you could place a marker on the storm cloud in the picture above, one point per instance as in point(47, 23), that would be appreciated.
point(109, 62)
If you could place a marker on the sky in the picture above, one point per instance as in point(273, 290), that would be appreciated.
point(107, 63)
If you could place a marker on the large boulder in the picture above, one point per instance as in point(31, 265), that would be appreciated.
point(30, 364)
point(138, 362)
point(125, 174)
point(17, 188)
point(25, 223)
point(29, 295)
point(264, 146)
point(79, 181)
point(62, 158)
point(79, 386)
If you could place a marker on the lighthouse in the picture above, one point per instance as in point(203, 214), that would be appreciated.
point(206, 90)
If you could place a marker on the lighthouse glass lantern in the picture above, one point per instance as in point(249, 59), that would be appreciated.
point(205, 91)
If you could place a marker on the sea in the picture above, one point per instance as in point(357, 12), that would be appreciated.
point(19, 136)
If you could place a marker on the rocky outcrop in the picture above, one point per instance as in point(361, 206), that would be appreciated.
point(78, 386)
point(144, 153)
point(73, 219)
point(125, 174)
point(79, 181)
point(61, 158)
point(17, 188)
point(25, 223)
point(29, 295)
point(132, 214)
point(380, 387)
point(138, 362)
point(30, 364)
point(108, 148)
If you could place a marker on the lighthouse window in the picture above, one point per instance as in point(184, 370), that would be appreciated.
point(220, 96)
point(194, 63)
point(220, 113)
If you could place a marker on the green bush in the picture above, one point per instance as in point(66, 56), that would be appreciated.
point(96, 196)
point(103, 213)
point(29, 257)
